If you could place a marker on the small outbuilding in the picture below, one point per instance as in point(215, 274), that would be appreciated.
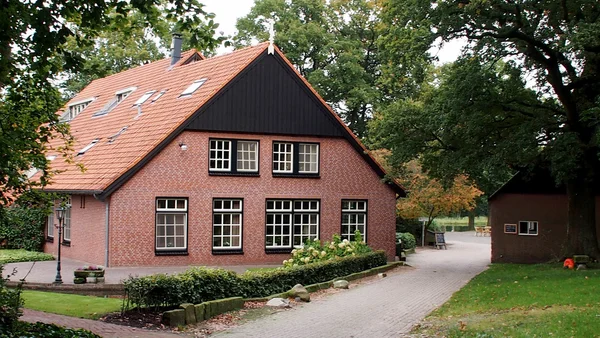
point(528, 216)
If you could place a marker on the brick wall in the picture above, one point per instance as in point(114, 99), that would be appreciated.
point(177, 173)
point(87, 231)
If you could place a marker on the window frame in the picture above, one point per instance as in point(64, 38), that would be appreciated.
point(295, 172)
point(67, 221)
point(233, 157)
point(50, 225)
point(537, 228)
point(142, 99)
point(228, 250)
point(171, 251)
point(193, 87)
point(292, 212)
point(364, 212)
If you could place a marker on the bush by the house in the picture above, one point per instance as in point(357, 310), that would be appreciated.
point(199, 285)
point(408, 240)
point(10, 305)
point(23, 228)
point(313, 251)
point(42, 330)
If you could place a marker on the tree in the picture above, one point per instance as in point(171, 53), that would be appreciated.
point(34, 51)
point(556, 44)
point(427, 196)
point(333, 44)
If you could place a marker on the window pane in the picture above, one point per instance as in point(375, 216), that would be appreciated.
point(282, 157)
point(220, 155)
point(308, 158)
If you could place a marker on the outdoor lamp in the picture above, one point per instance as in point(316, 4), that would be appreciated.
point(60, 214)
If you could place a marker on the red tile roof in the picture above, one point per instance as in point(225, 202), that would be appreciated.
point(106, 162)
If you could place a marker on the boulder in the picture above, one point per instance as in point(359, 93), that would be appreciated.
point(190, 313)
point(174, 318)
point(278, 302)
point(382, 275)
point(581, 267)
point(340, 284)
point(300, 291)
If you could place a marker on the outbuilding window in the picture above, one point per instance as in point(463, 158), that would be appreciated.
point(171, 224)
point(529, 228)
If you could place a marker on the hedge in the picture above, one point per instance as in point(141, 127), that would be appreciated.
point(23, 228)
point(42, 330)
point(198, 285)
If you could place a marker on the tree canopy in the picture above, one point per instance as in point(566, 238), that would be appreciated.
point(41, 40)
point(524, 91)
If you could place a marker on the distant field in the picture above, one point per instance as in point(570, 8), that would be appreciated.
point(460, 221)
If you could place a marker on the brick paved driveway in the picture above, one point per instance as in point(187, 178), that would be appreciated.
point(386, 308)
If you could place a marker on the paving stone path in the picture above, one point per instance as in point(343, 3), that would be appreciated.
point(386, 308)
point(105, 330)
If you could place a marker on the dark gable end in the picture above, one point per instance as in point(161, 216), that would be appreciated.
point(267, 98)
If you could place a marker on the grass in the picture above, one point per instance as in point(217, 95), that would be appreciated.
point(510, 300)
point(460, 221)
point(20, 255)
point(71, 305)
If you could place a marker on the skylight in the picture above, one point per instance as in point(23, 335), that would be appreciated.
point(144, 98)
point(88, 147)
point(158, 96)
point(193, 87)
point(113, 138)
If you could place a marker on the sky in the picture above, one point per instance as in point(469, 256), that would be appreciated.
point(228, 11)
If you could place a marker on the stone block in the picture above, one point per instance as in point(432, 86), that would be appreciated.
point(190, 313)
point(174, 318)
point(199, 310)
point(340, 284)
point(91, 280)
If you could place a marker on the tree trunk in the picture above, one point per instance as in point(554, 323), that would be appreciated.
point(471, 225)
point(581, 228)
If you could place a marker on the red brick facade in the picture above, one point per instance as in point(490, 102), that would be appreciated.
point(88, 231)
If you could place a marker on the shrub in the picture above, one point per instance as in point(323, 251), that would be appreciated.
point(313, 251)
point(199, 285)
point(23, 228)
point(408, 240)
point(10, 305)
point(42, 330)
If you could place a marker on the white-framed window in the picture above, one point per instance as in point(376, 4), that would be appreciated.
point(227, 223)
point(50, 227)
point(291, 222)
point(220, 155)
point(247, 156)
point(354, 217)
point(159, 95)
point(233, 156)
point(193, 87)
point(528, 228)
point(308, 158)
point(283, 154)
point(171, 223)
point(67, 222)
point(88, 147)
point(75, 109)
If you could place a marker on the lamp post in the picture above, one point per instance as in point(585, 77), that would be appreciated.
point(60, 214)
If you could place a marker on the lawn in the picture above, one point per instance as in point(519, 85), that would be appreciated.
point(71, 305)
point(20, 255)
point(511, 300)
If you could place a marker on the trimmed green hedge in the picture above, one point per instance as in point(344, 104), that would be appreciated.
point(198, 285)
point(41, 330)
point(23, 228)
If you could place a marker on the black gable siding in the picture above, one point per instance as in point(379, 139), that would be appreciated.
point(267, 98)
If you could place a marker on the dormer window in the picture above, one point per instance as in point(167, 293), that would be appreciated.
point(88, 147)
point(144, 98)
point(193, 87)
point(75, 109)
point(120, 95)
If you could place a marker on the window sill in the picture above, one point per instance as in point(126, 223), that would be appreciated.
point(170, 253)
point(296, 175)
point(50, 239)
point(238, 173)
point(66, 243)
point(278, 251)
point(227, 252)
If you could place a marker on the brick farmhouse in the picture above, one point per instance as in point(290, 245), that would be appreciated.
point(233, 159)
